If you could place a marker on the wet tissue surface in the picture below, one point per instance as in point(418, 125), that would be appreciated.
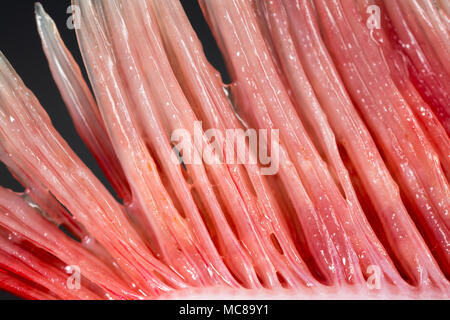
point(271, 149)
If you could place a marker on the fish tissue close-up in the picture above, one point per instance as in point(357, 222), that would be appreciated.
point(225, 150)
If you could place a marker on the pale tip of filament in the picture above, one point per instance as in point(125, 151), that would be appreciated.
point(5, 66)
point(2, 56)
point(39, 9)
point(43, 20)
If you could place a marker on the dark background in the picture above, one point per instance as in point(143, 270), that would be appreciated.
point(21, 45)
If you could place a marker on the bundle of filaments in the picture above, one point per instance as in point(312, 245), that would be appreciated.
point(349, 100)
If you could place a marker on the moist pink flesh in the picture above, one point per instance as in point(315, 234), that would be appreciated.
point(361, 190)
point(410, 156)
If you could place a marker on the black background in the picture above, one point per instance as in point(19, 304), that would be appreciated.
point(21, 45)
point(277, 309)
